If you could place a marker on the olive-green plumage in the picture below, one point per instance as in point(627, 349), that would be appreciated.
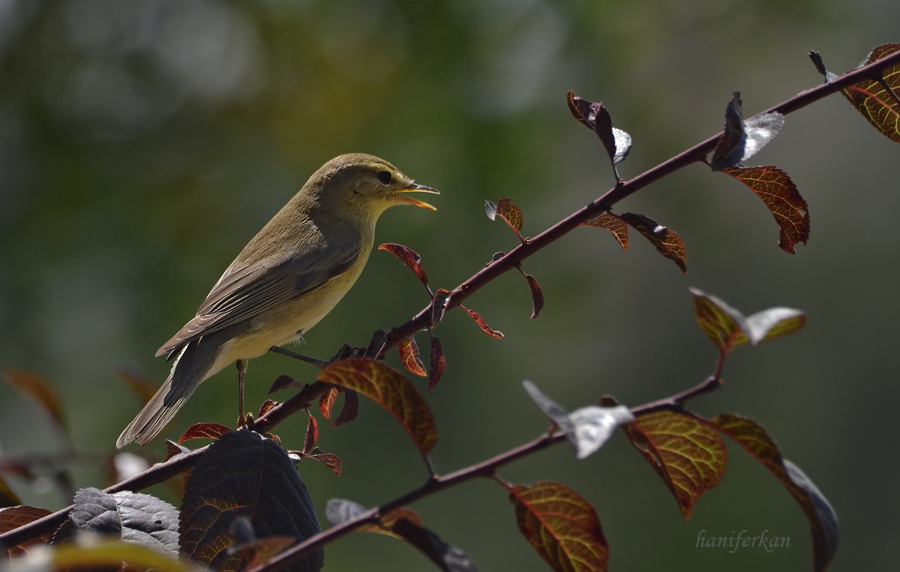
point(292, 273)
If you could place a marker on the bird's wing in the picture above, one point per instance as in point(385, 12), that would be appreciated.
point(247, 291)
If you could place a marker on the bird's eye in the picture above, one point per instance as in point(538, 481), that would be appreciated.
point(384, 177)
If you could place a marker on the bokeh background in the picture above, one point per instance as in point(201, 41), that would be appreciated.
point(143, 143)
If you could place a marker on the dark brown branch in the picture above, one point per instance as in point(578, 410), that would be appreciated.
point(619, 192)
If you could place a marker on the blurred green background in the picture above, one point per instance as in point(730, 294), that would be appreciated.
point(143, 143)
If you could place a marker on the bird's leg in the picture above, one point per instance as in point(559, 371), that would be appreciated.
point(241, 366)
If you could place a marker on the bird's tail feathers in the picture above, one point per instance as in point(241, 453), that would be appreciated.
point(188, 371)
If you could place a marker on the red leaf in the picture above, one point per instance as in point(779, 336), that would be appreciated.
point(613, 224)
point(312, 433)
point(481, 324)
point(283, 382)
point(438, 363)
point(326, 402)
point(138, 382)
point(266, 406)
point(537, 296)
point(778, 192)
point(667, 242)
point(597, 118)
point(38, 389)
point(409, 357)
point(561, 526)
point(878, 101)
point(822, 518)
point(388, 388)
point(350, 410)
point(330, 460)
point(203, 431)
point(684, 449)
point(508, 212)
point(15, 517)
point(409, 257)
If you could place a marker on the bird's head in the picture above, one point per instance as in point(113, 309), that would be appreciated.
point(367, 185)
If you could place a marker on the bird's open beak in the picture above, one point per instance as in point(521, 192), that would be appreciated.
point(416, 202)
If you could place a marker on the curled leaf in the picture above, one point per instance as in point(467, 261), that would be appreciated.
point(666, 241)
point(561, 526)
point(820, 66)
point(537, 295)
point(780, 195)
point(508, 212)
point(266, 406)
point(476, 317)
point(439, 306)
point(684, 449)
point(822, 517)
point(597, 118)
point(728, 328)
point(350, 410)
point(391, 390)
point(409, 257)
point(312, 433)
point(283, 382)
point(613, 224)
point(326, 402)
point(588, 428)
point(330, 460)
point(409, 357)
point(741, 138)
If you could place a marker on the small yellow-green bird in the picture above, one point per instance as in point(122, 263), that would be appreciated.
point(283, 282)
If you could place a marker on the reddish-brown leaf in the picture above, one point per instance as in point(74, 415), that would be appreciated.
point(326, 402)
point(778, 192)
point(508, 212)
point(138, 381)
point(266, 406)
point(40, 390)
point(7, 496)
point(561, 526)
point(409, 257)
point(481, 324)
point(613, 224)
point(388, 388)
point(350, 410)
point(822, 518)
point(283, 382)
point(330, 460)
point(14, 517)
point(537, 295)
point(261, 550)
point(438, 364)
point(666, 241)
point(596, 117)
point(409, 357)
point(685, 450)
point(875, 100)
point(203, 431)
point(312, 433)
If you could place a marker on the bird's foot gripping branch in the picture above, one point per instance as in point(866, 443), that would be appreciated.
point(244, 506)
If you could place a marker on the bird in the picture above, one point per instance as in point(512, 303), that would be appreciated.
point(284, 281)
